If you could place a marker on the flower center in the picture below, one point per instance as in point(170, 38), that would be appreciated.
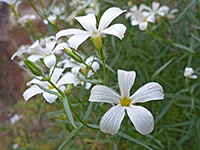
point(125, 102)
point(50, 87)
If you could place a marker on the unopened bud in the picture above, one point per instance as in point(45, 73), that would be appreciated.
point(33, 68)
point(69, 89)
point(74, 55)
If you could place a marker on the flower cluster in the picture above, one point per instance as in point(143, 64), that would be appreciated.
point(53, 75)
point(143, 15)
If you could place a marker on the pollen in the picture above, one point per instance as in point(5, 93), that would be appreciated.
point(125, 102)
point(50, 87)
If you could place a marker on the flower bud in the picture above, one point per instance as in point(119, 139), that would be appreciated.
point(69, 89)
point(33, 68)
point(74, 55)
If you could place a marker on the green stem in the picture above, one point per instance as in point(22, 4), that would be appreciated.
point(94, 72)
point(103, 62)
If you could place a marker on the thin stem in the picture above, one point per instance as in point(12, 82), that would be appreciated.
point(103, 62)
point(94, 72)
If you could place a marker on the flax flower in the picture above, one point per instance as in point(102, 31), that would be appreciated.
point(141, 118)
point(56, 79)
point(89, 24)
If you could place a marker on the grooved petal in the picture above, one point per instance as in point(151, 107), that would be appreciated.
point(32, 91)
point(141, 118)
point(49, 97)
point(117, 30)
point(88, 22)
point(56, 74)
point(78, 39)
point(126, 80)
point(69, 32)
point(148, 92)
point(111, 120)
point(50, 61)
point(101, 93)
point(108, 16)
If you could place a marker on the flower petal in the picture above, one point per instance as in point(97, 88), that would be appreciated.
point(101, 93)
point(117, 30)
point(50, 61)
point(33, 58)
point(49, 97)
point(32, 91)
point(135, 22)
point(111, 120)
point(67, 79)
point(155, 6)
point(141, 118)
point(88, 22)
point(50, 43)
point(126, 80)
point(108, 16)
point(78, 39)
point(69, 32)
point(60, 46)
point(143, 25)
point(148, 92)
point(56, 74)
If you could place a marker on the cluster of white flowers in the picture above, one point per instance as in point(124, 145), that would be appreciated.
point(72, 69)
point(143, 15)
point(188, 73)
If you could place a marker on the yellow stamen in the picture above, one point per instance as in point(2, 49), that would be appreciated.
point(125, 102)
point(50, 87)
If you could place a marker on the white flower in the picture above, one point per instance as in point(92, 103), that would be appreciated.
point(8, 1)
point(188, 73)
point(47, 53)
point(51, 18)
point(158, 11)
point(140, 17)
point(141, 118)
point(170, 14)
point(22, 49)
point(15, 118)
point(89, 24)
point(77, 67)
point(55, 79)
point(15, 146)
point(26, 18)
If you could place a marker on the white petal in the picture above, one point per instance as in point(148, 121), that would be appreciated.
point(151, 18)
point(35, 48)
point(33, 58)
point(155, 6)
point(111, 120)
point(193, 77)
point(126, 80)
point(141, 118)
point(101, 93)
point(148, 92)
point(69, 32)
point(32, 91)
point(135, 22)
point(143, 25)
point(88, 22)
point(117, 30)
point(78, 39)
point(88, 85)
point(19, 53)
point(60, 46)
point(56, 74)
point(108, 16)
point(50, 43)
point(49, 97)
point(67, 79)
point(37, 80)
point(50, 61)
point(95, 66)
point(75, 69)
point(163, 9)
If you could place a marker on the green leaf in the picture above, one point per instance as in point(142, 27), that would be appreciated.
point(184, 47)
point(70, 136)
point(162, 68)
point(133, 140)
point(68, 111)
